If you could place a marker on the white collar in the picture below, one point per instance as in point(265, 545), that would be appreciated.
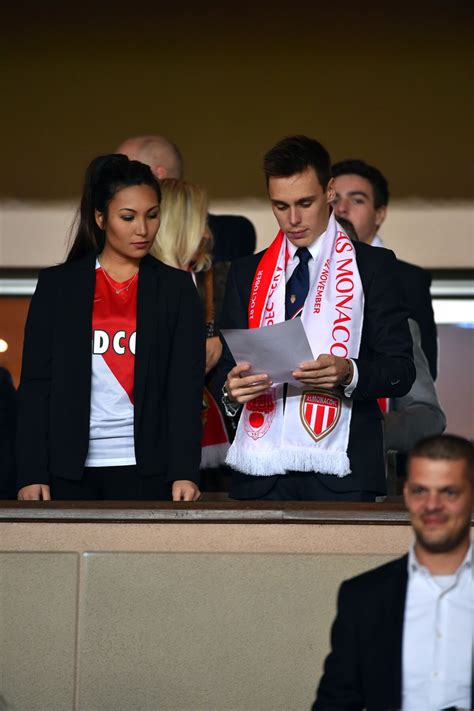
point(414, 566)
point(314, 247)
point(377, 242)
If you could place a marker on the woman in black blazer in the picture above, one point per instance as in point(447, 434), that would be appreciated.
point(121, 420)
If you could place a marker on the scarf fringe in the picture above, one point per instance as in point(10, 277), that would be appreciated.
point(214, 455)
point(290, 459)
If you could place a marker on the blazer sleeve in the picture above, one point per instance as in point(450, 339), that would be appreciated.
point(417, 414)
point(185, 384)
point(416, 283)
point(340, 688)
point(35, 385)
point(385, 365)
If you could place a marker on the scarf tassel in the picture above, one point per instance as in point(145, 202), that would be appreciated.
point(290, 459)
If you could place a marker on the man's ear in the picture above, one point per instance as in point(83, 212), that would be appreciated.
point(331, 191)
point(160, 172)
point(380, 214)
point(99, 219)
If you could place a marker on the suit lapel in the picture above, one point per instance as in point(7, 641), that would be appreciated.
point(394, 610)
point(147, 299)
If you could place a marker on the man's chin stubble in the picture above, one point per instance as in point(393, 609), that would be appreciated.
point(445, 545)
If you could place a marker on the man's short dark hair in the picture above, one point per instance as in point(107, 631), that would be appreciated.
point(377, 180)
point(446, 446)
point(294, 154)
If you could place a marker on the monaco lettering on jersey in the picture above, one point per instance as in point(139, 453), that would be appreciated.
point(119, 342)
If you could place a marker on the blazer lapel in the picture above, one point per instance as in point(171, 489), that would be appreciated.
point(394, 610)
point(147, 300)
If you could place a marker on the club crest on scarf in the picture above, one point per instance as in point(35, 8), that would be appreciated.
point(319, 412)
point(259, 414)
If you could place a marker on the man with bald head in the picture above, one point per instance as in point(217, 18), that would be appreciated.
point(158, 152)
point(234, 235)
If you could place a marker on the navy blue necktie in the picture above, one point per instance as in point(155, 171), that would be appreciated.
point(297, 286)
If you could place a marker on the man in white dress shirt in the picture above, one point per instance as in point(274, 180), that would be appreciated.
point(404, 633)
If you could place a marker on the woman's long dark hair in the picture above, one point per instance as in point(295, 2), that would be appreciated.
point(105, 176)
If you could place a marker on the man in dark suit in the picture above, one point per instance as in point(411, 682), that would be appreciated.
point(403, 635)
point(362, 197)
point(300, 189)
point(233, 235)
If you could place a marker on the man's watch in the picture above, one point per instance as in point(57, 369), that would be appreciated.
point(230, 406)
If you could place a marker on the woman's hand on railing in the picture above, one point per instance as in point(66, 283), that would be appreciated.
point(35, 492)
point(185, 490)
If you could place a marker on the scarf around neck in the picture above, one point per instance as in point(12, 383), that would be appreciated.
point(309, 429)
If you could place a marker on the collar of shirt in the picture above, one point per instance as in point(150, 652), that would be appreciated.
point(414, 566)
point(293, 260)
point(377, 242)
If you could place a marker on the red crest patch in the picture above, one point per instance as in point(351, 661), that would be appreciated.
point(258, 415)
point(320, 412)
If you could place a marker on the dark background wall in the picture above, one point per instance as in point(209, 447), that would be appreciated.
point(389, 83)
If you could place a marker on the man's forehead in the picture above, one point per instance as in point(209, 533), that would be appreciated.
point(352, 184)
point(294, 187)
point(436, 473)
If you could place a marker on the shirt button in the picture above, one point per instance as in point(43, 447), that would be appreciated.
point(435, 674)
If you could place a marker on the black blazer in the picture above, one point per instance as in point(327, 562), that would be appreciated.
point(364, 668)
point(55, 387)
point(385, 367)
point(415, 284)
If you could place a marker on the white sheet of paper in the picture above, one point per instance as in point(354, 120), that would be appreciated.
point(275, 350)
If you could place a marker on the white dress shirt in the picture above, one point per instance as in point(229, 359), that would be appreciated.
point(377, 242)
point(438, 634)
point(291, 265)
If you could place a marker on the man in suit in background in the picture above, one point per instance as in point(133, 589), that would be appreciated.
point(403, 634)
point(362, 197)
point(233, 235)
point(324, 440)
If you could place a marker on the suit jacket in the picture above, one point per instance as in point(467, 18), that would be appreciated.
point(364, 668)
point(55, 387)
point(233, 236)
point(415, 284)
point(385, 367)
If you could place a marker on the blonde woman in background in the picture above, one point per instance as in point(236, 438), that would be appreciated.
point(184, 241)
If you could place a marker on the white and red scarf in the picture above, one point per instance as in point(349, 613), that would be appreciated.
point(309, 431)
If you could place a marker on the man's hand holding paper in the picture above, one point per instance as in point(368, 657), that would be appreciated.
point(327, 371)
point(277, 354)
